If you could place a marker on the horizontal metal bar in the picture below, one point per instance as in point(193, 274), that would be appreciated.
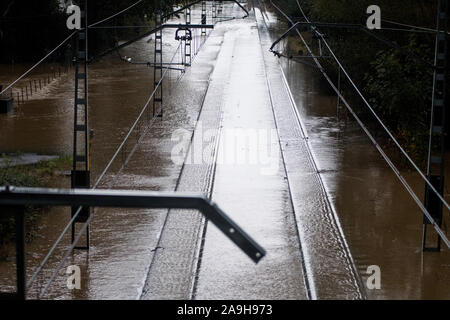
point(313, 27)
point(164, 63)
point(190, 26)
point(126, 44)
point(134, 199)
point(198, 1)
point(181, 9)
point(284, 35)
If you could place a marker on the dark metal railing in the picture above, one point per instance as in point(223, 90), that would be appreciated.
point(13, 198)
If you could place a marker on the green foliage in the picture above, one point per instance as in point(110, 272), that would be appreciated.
point(49, 167)
point(400, 91)
point(397, 82)
point(16, 176)
point(30, 28)
point(27, 176)
point(140, 15)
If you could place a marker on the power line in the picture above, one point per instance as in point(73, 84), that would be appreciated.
point(63, 42)
point(311, 290)
point(121, 27)
point(97, 183)
point(386, 41)
point(99, 179)
point(86, 224)
point(425, 211)
point(411, 26)
point(38, 63)
point(383, 154)
point(116, 14)
point(376, 116)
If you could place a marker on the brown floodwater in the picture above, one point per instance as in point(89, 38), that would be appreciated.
point(122, 241)
point(381, 222)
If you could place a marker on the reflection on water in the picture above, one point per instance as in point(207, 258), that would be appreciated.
point(381, 222)
point(122, 241)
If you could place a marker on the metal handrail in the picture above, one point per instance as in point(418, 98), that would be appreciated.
point(18, 196)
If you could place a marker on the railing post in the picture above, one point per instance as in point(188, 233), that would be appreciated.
point(20, 252)
point(18, 213)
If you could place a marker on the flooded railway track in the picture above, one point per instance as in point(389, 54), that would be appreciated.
point(287, 199)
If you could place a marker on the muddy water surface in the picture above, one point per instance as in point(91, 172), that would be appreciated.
point(381, 222)
point(122, 241)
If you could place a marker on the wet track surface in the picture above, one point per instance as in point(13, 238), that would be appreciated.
point(305, 196)
point(380, 221)
point(257, 195)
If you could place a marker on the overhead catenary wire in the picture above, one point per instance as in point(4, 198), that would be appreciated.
point(59, 239)
point(148, 33)
point(388, 21)
point(388, 42)
point(396, 171)
point(373, 140)
point(115, 15)
point(375, 114)
point(371, 33)
point(308, 278)
point(61, 44)
point(38, 63)
point(100, 178)
point(412, 26)
point(102, 175)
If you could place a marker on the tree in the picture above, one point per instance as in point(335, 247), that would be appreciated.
point(30, 28)
point(396, 81)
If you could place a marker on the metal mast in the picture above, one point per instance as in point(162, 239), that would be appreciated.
point(214, 9)
point(187, 43)
point(436, 153)
point(203, 30)
point(158, 63)
point(80, 175)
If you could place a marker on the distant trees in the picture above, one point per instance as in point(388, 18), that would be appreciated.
point(30, 28)
point(140, 15)
point(397, 81)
